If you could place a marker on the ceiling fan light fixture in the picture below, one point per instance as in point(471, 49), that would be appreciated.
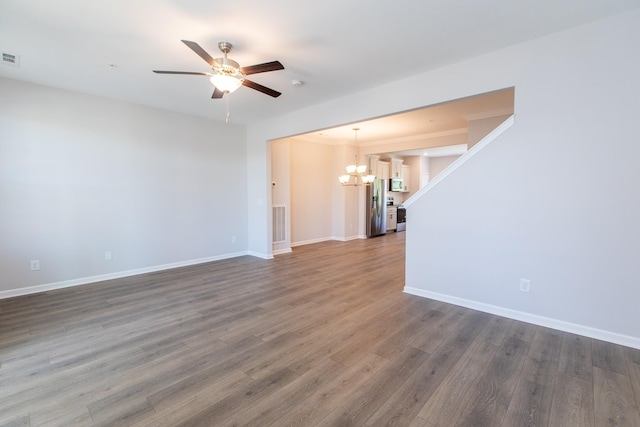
point(226, 75)
point(225, 82)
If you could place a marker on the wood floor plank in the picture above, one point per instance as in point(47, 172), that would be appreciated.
point(375, 392)
point(615, 404)
point(634, 377)
point(323, 345)
point(541, 363)
point(326, 379)
point(407, 334)
point(632, 355)
point(187, 394)
point(225, 409)
point(440, 330)
point(323, 336)
point(523, 331)
point(575, 357)
point(407, 402)
point(451, 397)
point(493, 392)
point(609, 357)
point(531, 402)
point(530, 405)
point(126, 413)
point(377, 329)
point(497, 329)
point(14, 417)
point(572, 404)
point(337, 391)
point(16, 421)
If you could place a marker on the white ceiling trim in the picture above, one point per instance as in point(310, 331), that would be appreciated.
point(420, 137)
point(488, 114)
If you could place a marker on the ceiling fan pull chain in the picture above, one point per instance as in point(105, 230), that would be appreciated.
point(227, 99)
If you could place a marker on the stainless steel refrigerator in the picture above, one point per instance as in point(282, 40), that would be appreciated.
point(376, 207)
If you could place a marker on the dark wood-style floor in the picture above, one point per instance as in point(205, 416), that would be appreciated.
point(320, 337)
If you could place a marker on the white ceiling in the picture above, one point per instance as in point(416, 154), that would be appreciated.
point(335, 47)
point(447, 118)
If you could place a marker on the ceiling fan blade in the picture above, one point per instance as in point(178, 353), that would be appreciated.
point(262, 68)
point(200, 51)
point(260, 88)
point(192, 73)
point(217, 93)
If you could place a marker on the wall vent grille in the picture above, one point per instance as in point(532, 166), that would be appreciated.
point(279, 223)
point(11, 60)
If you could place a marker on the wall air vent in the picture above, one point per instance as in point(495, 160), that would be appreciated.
point(279, 223)
point(11, 60)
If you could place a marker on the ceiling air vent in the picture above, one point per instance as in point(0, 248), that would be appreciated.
point(9, 59)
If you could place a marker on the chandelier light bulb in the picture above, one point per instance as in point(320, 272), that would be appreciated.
point(359, 172)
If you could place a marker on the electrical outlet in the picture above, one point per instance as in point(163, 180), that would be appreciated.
point(34, 264)
point(525, 285)
point(107, 256)
point(234, 239)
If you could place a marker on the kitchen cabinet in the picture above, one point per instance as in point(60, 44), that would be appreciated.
point(383, 170)
point(396, 168)
point(372, 164)
point(406, 177)
point(392, 218)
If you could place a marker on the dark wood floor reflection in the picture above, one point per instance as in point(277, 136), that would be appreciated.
point(322, 336)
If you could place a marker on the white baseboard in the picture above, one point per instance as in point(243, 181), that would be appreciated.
point(282, 251)
point(348, 238)
point(324, 239)
point(560, 325)
point(260, 255)
point(110, 276)
point(311, 241)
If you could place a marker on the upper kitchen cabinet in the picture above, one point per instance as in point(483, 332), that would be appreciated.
point(383, 170)
point(396, 168)
point(379, 168)
point(372, 164)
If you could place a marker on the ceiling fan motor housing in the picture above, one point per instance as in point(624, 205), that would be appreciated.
point(225, 47)
point(228, 67)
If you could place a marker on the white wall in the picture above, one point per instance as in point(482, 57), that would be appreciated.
point(438, 164)
point(307, 182)
point(348, 205)
point(81, 175)
point(543, 208)
point(281, 191)
point(479, 128)
point(311, 192)
point(415, 163)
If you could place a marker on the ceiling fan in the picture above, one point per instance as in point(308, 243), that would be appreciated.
point(227, 75)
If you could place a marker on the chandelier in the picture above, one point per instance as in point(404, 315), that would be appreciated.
point(356, 171)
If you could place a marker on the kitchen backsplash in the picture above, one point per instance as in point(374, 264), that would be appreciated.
point(397, 198)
